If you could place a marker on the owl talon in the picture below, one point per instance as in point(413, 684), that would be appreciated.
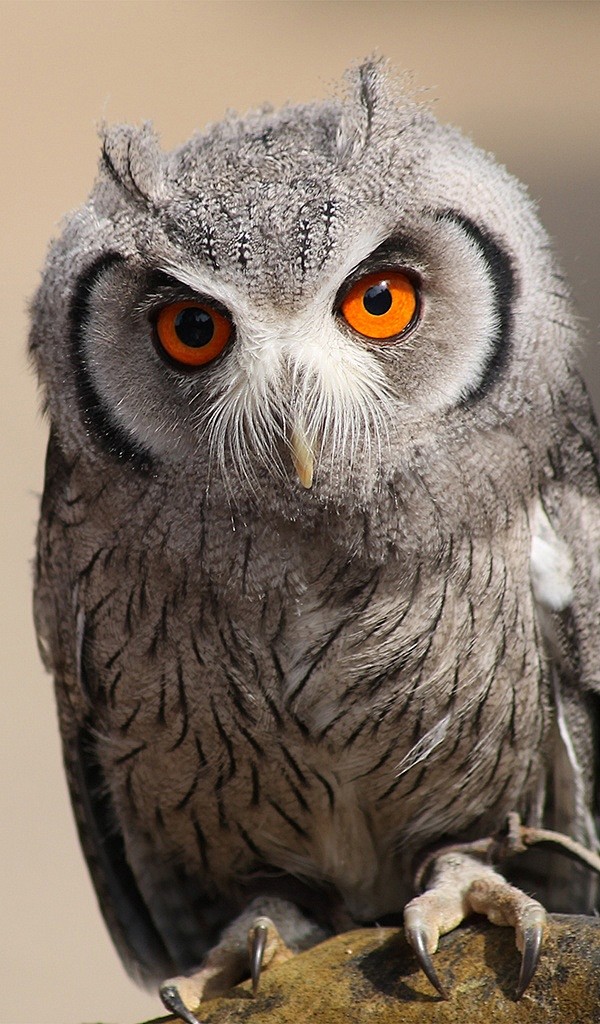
point(532, 947)
point(257, 941)
point(173, 1002)
point(417, 937)
point(266, 949)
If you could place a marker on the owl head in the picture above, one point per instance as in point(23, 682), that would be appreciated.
point(312, 307)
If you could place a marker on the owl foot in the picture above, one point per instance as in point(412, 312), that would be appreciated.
point(462, 885)
point(250, 945)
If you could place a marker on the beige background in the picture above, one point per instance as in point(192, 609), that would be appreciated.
point(522, 78)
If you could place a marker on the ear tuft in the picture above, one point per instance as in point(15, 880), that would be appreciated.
point(366, 83)
point(132, 158)
point(375, 104)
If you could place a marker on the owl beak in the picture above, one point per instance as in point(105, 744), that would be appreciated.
point(301, 447)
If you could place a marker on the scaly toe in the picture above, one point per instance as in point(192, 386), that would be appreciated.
point(504, 904)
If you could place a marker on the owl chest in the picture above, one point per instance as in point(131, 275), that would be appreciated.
point(320, 731)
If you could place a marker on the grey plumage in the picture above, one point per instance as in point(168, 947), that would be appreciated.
point(269, 690)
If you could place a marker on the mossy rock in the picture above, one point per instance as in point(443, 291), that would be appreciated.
point(372, 974)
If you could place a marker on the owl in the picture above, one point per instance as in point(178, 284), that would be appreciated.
point(318, 566)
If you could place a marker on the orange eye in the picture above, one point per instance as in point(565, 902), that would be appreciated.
point(381, 305)
point(192, 334)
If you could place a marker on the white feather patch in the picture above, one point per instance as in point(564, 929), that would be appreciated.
point(551, 564)
point(570, 798)
point(426, 745)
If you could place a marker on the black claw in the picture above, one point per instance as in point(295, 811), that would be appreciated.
point(532, 947)
point(259, 941)
point(417, 941)
point(173, 1002)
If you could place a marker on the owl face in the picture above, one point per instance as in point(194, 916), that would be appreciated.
point(297, 301)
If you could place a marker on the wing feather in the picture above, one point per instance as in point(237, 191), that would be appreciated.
point(565, 571)
point(60, 635)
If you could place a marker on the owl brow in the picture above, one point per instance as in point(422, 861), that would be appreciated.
point(162, 285)
point(160, 281)
point(504, 285)
point(182, 277)
point(396, 247)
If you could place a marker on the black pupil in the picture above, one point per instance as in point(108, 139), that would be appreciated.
point(194, 327)
point(378, 299)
